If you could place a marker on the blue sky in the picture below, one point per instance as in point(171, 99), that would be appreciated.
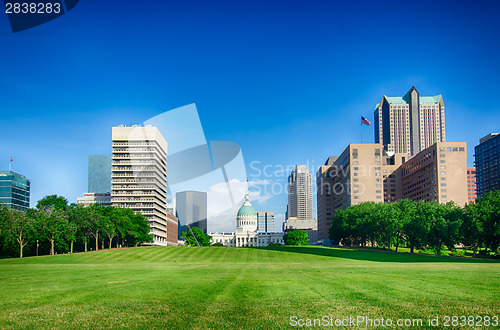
point(286, 80)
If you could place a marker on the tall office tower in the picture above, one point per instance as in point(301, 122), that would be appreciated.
point(438, 173)
point(487, 163)
point(324, 183)
point(99, 177)
point(300, 202)
point(265, 222)
point(139, 176)
point(14, 190)
point(362, 173)
point(471, 184)
point(191, 209)
point(411, 123)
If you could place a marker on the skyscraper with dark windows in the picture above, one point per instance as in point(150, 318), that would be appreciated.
point(487, 163)
point(411, 123)
point(14, 190)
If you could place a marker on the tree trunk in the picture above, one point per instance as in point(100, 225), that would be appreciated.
point(97, 241)
point(52, 247)
point(85, 243)
point(102, 244)
point(397, 243)
point(71, 247)
point(474, 250)
point(111, 241)
point(20, 249)
point(411, 248)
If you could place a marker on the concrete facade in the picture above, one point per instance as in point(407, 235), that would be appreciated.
point(438, 173)
point(139, 177)
point(471, 184)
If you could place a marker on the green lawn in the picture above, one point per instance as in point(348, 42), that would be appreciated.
point(220, 287)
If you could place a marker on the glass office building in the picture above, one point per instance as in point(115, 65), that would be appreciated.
point(191, 207)
point(14, 190)
point(487, 162)
point(99, 174)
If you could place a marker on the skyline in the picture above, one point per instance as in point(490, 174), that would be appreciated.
point(268, 76)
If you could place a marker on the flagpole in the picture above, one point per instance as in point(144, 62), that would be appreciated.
point(361, 132)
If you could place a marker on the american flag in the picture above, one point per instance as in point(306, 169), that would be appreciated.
point(365, 121)
point(11, 159)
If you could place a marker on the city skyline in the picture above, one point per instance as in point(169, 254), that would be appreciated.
point(301, 66)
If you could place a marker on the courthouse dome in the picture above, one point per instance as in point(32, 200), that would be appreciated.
point(247, 208)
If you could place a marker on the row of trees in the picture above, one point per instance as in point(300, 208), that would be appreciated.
point(56, 226)
point(420, 224)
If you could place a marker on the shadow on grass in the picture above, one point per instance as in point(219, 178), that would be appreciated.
point(371, 255)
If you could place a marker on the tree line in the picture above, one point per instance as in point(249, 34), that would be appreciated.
point(56, 227)
point(419, 225)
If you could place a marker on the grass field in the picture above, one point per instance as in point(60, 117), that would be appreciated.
point(220, 287)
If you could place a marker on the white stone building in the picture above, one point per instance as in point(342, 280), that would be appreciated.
point(246, 230)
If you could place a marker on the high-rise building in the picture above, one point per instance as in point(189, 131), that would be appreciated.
point(471, 184)
point(139, 177)
point(191, 209)
point(300, 202)
point(411, 123)
point(14, 190)
point(362, 173)
point(487, 163)
point(99, 179)
point(438, 173)
point(265, 222)
point(324, 182)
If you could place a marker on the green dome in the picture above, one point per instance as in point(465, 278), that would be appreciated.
point(247, 210)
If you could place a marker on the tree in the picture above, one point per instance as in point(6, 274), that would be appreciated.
point(52, 201)
point(202, 238)
point(21, 226)
point(417, 227)
point(296, 237)
point(52, 224)
point(471, 230)
point(488, 208)
point(96, 220)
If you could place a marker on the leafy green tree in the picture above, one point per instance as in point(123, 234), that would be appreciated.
point(488, 208)
point(296, 237)
point(96, 222)
point(202, 238)
point(52, 202)
point(20, 228)
point(471, 230)
point(417, 227)
point(52, 224)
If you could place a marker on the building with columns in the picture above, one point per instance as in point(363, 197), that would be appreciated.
point(246, 230)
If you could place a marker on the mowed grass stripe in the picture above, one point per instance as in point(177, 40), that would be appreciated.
point(222, 287)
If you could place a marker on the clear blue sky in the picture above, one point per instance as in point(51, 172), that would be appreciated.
point(286, 80)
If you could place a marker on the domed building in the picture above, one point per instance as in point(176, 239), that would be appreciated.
point(246, 230)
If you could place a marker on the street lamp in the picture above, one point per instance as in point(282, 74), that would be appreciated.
point(37, 248)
